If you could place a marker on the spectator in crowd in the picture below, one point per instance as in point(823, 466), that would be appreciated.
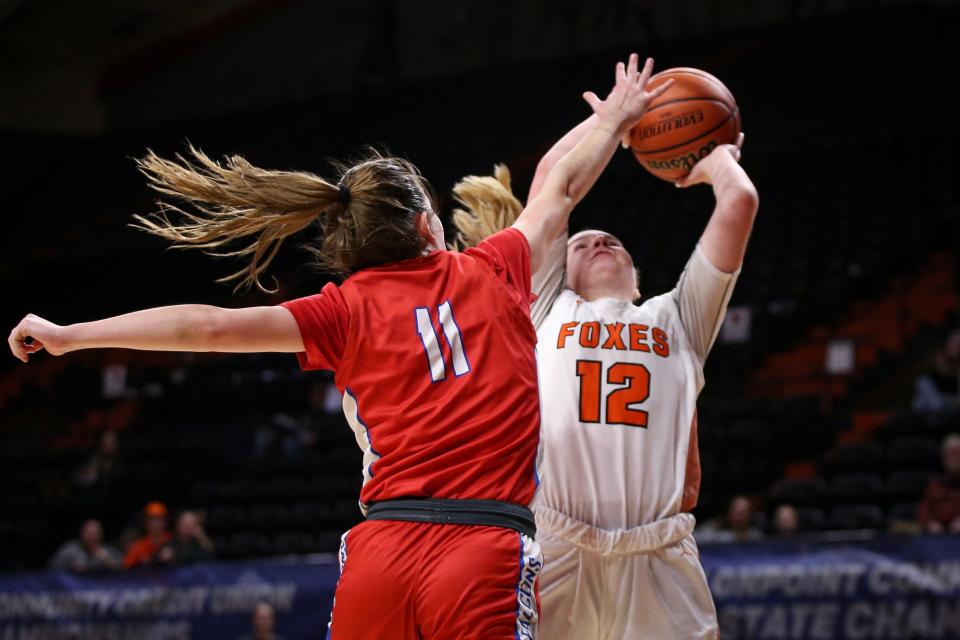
point(939, 388)
point(127, 538)
point(88, 553)
point(263, 623)
point(105, 466)
point(735, 526)
point(785, 521)
point(94, 481)
point(940, 508)
point(291, 435)
point(190, 543)
point(144, 551)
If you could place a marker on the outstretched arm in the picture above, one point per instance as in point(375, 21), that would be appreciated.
point(574, 174)
point(188, 327)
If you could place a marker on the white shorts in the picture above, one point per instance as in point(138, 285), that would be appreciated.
point(642, 583)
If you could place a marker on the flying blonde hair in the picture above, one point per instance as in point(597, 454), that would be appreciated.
point(488, 206)
point(367, 214)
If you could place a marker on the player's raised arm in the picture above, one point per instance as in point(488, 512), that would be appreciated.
point(189, 327)
point(724, 241)
point(545, 216)
point(550, 279)
point(561, 148)
point(707, 282)
point(487, 203)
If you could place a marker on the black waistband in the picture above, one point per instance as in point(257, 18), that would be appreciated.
point(447, 511)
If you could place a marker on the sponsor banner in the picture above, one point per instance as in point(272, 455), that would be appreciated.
point(199, 601)
point(775, 590)
point(872, 590)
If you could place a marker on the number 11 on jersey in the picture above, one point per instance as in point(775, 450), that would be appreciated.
point(431, 342)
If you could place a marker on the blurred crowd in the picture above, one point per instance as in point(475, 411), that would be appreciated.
point(286, 436)
point(154, 546)
point(938, 511)
point(149, 541)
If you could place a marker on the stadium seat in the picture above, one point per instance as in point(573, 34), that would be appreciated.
point(860, 516)
point(914, 452)
point(854, 487)
point(854, 458)
point(810, 518)
point(798, 492)
point(907, 485)
point(903, 511)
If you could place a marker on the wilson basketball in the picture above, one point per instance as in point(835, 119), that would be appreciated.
point(686, 123)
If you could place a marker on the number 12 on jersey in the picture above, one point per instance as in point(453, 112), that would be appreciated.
point(618, 411)
point(431, 342)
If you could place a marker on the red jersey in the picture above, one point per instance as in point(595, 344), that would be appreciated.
point(435, 357)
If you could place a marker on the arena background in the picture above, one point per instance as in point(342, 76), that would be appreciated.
point(846, 303)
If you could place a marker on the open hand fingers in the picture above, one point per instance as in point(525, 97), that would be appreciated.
point(660, 90)
point(644, 76)
point(592, 100)
point(632, 63)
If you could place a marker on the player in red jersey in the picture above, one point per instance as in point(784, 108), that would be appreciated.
point(433, 351)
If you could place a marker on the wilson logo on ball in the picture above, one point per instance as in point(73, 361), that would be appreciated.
point(684, 162)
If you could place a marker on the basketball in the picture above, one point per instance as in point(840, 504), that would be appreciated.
point(686, 123)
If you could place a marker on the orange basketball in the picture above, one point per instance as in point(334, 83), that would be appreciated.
point(686, 123)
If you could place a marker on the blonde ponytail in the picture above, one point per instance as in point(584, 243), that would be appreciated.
point(488, 206)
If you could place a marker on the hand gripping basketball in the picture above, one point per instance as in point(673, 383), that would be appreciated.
point(703, 171)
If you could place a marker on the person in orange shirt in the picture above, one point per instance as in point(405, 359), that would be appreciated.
point(143, 552)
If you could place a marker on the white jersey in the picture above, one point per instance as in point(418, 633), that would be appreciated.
point(619, 385)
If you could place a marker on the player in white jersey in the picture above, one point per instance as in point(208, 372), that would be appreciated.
point(619, 384)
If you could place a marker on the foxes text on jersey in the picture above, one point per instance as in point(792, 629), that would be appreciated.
point(623, 383)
